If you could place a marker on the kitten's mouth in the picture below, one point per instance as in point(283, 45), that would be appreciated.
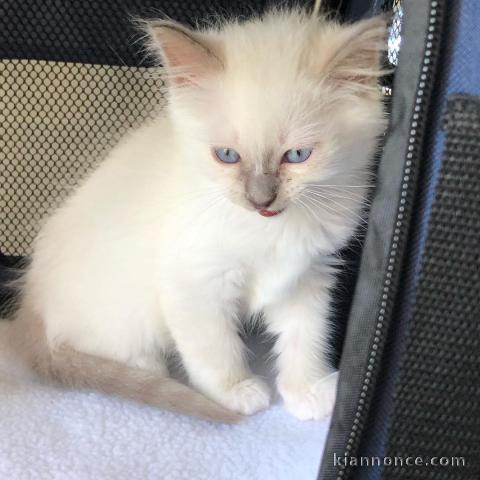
point(269, 213)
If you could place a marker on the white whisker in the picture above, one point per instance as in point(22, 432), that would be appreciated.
point(328, 208)
point(354, 197)
point(339, 205)
point(307, 208)
point(338, 185)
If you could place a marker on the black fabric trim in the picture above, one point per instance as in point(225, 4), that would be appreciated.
point(378, 423)
point(439, 387)
point(373, 267)
point(96, 31)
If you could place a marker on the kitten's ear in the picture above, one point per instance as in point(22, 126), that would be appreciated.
point(188, 56)
point(356, 57)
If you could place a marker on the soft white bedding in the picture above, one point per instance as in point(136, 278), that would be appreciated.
point(49, 433)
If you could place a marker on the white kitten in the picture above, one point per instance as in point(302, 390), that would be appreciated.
point(231, 203)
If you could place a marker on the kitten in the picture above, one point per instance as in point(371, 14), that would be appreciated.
point(232, 202)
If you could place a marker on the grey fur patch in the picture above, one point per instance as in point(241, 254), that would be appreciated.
point(261, 188)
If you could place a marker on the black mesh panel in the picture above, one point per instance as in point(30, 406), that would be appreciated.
point(437, 407)
point(56, 120)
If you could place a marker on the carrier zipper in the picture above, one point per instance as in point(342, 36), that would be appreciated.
point(399, 240)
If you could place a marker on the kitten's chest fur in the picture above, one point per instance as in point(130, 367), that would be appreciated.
point(261, 267)
point(269, 279)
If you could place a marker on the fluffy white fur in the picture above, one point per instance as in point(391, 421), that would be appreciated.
point(163, 246)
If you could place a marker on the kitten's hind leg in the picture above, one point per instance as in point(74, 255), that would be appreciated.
point(73, 368)
point(214, 355)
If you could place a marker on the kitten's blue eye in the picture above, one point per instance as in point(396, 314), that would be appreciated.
point(297, 155)
point(227, 155)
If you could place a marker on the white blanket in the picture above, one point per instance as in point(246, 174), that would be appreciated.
point(50, 433)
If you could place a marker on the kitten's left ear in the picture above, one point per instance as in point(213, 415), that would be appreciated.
point(188, 56)
point(356, 56)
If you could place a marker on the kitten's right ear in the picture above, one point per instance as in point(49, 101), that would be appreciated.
point(188, 56)
point(351, 54)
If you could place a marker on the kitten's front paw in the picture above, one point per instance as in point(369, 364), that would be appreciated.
point(311, 402)
point(247, 397)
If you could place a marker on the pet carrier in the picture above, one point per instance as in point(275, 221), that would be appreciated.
point(407, 310)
